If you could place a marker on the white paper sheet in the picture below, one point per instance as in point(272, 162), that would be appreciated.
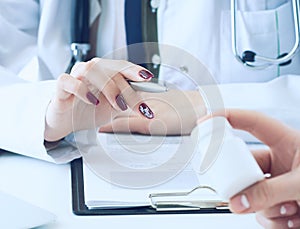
point(142, 154)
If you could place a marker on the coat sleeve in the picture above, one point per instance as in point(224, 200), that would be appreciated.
point(26, 87)
point(278, 98)
point(22, 121)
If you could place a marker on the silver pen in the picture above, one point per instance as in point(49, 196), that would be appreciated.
point(148, 86)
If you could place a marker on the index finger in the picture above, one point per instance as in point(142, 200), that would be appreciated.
point(266, 129)
point(100, 73)
point(132, 98)
point(108, 68)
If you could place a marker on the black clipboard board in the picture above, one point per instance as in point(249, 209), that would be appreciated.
point(79, 207)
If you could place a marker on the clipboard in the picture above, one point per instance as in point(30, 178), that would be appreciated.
point(80, 208)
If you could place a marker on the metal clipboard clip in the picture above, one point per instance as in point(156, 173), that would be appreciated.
point(186, 203)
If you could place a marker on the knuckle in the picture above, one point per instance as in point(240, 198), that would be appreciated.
point(65, 82)
point(123, 62)
point(82, 68)
point(77, 69)
point(77, 86)
point(96, 64)
point(95, 59)
point(91, 63)
point(264, 194)
point(62, 79)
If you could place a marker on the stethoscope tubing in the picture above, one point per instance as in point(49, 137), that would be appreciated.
point(266, 61)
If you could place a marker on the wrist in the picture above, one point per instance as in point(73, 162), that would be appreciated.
point(198, 103)
point(56, 127)
point(54, 134)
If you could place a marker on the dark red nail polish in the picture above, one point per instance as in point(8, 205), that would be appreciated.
point(146, 74)
point(121, 102)
point(92, 98)
point(146, 111)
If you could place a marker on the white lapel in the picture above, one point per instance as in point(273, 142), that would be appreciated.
point(54, 54)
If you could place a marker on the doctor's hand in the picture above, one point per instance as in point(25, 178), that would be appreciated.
point(92, 95)
point(275, 200)
point(176, 112)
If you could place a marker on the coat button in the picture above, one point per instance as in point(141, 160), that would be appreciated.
point(184, 69)
point(156, 60)
point(154, 5)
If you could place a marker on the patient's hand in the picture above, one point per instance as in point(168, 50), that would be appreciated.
point(275, 199)
point(176, 113)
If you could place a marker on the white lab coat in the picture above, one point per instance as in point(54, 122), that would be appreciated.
point(34, 50)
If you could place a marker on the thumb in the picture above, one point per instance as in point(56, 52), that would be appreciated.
point(267, 193)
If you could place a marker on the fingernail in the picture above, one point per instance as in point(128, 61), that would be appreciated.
point(146, 74)
point(290, 224)
point(92, 98)
point(245, 202)
point(146, 111)
point(283, 210)
point(121, 102)
point(239, 203)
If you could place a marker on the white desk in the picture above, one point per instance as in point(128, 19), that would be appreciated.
point(49, 186)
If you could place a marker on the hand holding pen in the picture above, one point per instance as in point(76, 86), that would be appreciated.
point(103, 90)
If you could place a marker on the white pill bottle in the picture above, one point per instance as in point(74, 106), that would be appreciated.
point(223, 157)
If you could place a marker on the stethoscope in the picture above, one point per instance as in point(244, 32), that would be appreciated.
point(80, 46)
point(250, 58)
point(80, 37)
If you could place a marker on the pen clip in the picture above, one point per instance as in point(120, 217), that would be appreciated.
point(176, 205)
